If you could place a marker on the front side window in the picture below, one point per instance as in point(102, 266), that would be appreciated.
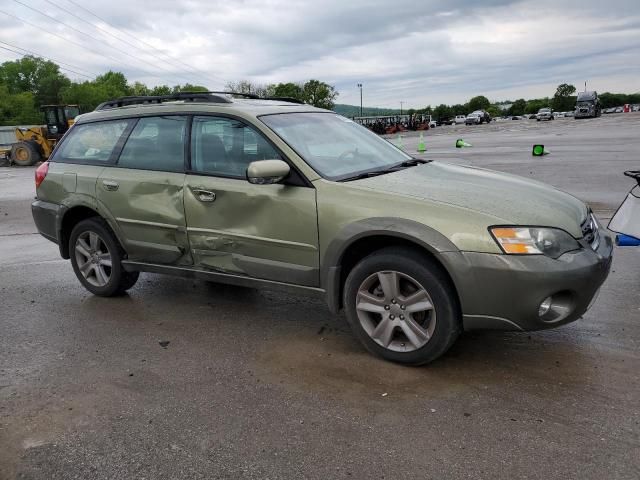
point(226, 147)
point(334, 146)
point(91, 142)
point(156, 143)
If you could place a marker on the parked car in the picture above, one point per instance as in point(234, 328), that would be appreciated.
point(568, 114)
point(558, 114)
point(533, 116)
point(284, 195)
point(460, 119)
point(545, 114)
point(587, 105)
point(473, 119)
point(618, 110)
point(484, 116)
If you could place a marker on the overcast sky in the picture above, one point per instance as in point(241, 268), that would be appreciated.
point(419, 52)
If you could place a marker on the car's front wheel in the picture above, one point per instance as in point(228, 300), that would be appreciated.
point(401, 305)
point(96, 258)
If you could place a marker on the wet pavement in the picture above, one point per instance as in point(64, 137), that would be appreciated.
point(184, 379)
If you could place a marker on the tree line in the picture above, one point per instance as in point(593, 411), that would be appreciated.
point(564, 99)
point(30, 82)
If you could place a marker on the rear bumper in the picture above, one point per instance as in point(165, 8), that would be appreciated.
point(48, 218)
point(505, 291)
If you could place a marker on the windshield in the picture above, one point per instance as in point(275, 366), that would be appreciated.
point(334, 146)
point(544, 110)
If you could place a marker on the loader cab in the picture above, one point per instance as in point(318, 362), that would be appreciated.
point(59, 118)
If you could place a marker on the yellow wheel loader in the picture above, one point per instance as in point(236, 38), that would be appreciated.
point(36, 143)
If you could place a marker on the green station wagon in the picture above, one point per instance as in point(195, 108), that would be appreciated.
point(269, 192)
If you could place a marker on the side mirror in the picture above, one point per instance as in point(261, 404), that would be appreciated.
point(267, 172)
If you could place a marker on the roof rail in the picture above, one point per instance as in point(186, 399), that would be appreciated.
point(209, 97)
point(204, 97)
point(253, 96)
point(285, 99)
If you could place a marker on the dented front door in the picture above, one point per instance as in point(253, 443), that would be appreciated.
point(263, 231)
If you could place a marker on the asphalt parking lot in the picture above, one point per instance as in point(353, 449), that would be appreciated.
point(262, 384)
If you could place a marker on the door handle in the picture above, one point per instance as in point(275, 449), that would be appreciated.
point(204, 195)
point(110, 185)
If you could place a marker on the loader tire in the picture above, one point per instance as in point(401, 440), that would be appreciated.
point(24, 154)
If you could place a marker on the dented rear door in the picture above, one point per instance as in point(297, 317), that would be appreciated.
point(142, 195)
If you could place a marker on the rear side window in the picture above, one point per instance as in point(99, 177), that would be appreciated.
point(156, 143)
point(91, 142)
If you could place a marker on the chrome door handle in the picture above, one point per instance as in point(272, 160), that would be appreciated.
point(110, 185)
point(204, 195)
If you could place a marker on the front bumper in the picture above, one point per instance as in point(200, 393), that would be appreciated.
point(584, 113)
point(505, 291)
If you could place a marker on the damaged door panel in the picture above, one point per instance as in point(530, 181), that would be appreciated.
point(143, 194)
point(148, 209)
point(244, 229)
point(263, 231)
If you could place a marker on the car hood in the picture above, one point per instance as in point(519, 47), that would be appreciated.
point(515, 200)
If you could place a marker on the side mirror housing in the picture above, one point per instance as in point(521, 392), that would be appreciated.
point(267, 172)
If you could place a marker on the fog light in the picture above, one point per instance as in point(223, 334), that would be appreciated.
point(544, 307)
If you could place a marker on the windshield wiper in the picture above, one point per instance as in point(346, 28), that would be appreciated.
point(412, 162)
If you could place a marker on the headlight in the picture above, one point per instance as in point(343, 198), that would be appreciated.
point(551, 242)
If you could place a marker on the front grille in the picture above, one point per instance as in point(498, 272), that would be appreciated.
point(590, 231)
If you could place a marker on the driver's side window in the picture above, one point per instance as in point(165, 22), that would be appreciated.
point(225, 147)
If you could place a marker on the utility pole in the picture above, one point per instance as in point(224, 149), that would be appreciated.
point(360, 87)
point(401, 103)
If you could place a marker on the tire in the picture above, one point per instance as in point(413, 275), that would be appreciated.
point(94, 250)
point(24, 154)
point(372, 312)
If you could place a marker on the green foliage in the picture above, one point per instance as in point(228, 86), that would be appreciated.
point(536, 104)
point(319, 94)
point(478, 103)
point(518, 107)
point(354, 111)
point(32, 74)
point(608, 100)
point(442, 112)
point(563, 100)
point(187, 87)
point(493, 110)
point(18, 108)
point(291, 90)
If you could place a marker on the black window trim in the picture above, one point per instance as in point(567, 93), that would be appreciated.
point(187, 137)
point(55, 155)
point(297, 180)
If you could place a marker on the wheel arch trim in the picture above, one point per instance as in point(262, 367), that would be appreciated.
point(422, 236)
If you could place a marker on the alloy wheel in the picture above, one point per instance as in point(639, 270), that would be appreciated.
point(396, 311)
point(93, 258)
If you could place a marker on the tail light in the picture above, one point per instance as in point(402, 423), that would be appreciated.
point(41, 172)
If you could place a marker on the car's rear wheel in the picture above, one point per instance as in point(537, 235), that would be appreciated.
point(96, 258)
point(402, 306)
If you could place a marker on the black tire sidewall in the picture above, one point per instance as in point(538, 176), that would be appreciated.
point(117, 278)
point(432, 278)
point(34, 155)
